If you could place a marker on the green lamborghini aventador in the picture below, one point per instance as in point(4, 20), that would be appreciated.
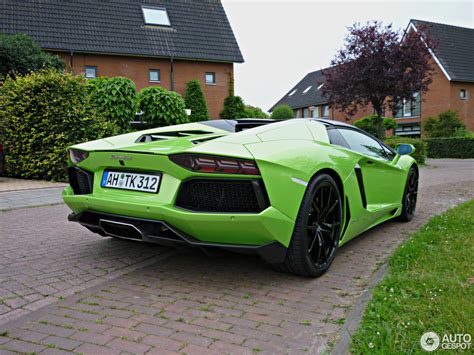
point(290, 191)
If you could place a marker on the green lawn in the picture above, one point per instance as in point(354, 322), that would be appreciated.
point(429, 287)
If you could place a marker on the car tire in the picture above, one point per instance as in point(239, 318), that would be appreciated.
point(410, 195)
point(320, 213)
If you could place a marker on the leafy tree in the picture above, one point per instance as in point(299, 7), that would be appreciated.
point(162, 107)
point(368, 124)
point(254, 112)
point(195, 101)
point(115, 100)
point(446, 124)
point(20, 54)
point(378, 66)
point(282, 112)
point(42, 113)
point(234, 108)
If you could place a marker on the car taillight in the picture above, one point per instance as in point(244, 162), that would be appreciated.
point(77, 156)
point(215, 164)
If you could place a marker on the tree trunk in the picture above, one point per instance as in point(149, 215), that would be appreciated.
point(379, 123)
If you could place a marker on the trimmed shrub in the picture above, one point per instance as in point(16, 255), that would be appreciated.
point(115, 99)
point(20, 54)
point(234, 108)
point(282, 112)
point(42, 113)
point(194, 100)
point(461, 148)
point(254, 112)
point(446, 124)
point(161, 107)
point(368, 124)
point(420, 146)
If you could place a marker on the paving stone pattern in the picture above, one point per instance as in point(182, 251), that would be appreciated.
point(187, 302)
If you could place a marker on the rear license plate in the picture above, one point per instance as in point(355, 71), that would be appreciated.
point(131, 181)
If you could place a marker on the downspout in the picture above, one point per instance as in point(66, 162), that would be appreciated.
point(71, 62)
point(172, 74)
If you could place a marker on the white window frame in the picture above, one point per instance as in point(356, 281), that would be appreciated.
point(307, 89)
point(463, 94)
point(167, 22)
point(159, 75)
point(90, 67)
point(293, 92)
point(214, 77)
point(407, 108)
point(325, 107)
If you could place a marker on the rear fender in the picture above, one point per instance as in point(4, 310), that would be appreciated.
point(288, 166)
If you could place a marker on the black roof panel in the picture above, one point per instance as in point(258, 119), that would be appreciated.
point(455, 48)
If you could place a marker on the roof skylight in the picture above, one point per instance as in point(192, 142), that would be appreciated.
point(307, 89)
point(156, 16)
point(320, 86)
point(293, 92)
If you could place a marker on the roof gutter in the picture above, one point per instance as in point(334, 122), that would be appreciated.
point(142, 55)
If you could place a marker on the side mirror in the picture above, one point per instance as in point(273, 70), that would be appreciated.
point(404, 149)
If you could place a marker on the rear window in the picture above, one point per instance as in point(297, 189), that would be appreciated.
point(336, 138)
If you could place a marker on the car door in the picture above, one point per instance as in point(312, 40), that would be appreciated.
point(376, 171)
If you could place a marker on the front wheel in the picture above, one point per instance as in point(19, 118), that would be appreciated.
point(317, 230)
point(410, 196)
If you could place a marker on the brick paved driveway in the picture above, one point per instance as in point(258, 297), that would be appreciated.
point(108, 296)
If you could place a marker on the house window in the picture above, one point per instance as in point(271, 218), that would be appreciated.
point(157, 16)
point(154, 76)
point(210, 78)
point(326, 111)
point(305, 113)
point(315, 112)
point(307, 89)
point(293, 92)
point(297, 114)
point(463, 94)
point(408, 130)
point(408, 108)
point(320, 86)
point(90, 72)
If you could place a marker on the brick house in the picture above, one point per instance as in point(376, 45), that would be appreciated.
point(452, 87)
point(153, 42)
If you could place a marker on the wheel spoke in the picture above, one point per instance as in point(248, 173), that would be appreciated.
point(322, 246)
point(312, 244)
point(315, 207)
point(324, 220)
point(329, 210)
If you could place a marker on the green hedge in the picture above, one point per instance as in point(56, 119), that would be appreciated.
point(368, 124)
point(462, 148)
point(41, 114)
point(196, 102)
point(420, 146)
point(161, 107)
point(115, 99)
point(282, 112)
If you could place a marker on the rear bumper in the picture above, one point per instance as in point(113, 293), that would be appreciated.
point(160, 232)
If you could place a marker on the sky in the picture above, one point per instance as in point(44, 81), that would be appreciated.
point(283, 40)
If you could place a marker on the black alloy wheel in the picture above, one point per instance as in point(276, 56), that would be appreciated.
point(317, 230)
point(323, 224)
point(410, 196)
